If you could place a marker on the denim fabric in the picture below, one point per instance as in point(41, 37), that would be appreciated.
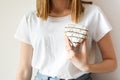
point(39, 76)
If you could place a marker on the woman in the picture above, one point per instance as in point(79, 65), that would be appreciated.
point(45, 45)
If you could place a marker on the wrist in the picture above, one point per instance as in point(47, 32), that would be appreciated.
point(85, 68)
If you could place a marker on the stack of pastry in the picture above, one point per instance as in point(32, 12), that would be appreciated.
point(76, 33)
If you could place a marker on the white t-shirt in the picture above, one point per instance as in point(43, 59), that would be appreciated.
point(47, 40)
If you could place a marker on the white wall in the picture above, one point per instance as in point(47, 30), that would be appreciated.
point(11, 12)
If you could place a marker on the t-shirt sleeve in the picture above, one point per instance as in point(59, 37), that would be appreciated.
point(102, 26)
point(23, 31)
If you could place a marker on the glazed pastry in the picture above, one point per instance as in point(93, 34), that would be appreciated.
point(76, 33)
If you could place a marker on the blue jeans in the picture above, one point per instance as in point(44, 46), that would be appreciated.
point(39, 76)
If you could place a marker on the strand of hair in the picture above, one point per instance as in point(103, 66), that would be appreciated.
point(87, 2)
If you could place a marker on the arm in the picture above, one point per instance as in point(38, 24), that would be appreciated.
point(24, 71)
point(109, 62)
point(80, 58)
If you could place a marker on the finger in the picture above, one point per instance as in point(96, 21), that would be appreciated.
point(78, 45)
point(68, 45)
point(84, 50)
point(84, 47)
point(67, 41)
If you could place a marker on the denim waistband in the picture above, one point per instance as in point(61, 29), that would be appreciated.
point(40, 76)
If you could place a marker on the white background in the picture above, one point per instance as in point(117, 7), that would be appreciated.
point(11, 12)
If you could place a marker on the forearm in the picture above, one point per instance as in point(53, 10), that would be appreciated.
point(24, 74)
point(107, 65)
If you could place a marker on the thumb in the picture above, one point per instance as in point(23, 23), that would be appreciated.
point(84, 47)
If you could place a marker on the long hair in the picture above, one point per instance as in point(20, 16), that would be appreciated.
point(44, 7)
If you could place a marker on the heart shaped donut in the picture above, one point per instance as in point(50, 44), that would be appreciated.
point(76, 33)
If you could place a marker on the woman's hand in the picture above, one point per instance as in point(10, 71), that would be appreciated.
point(78, 57)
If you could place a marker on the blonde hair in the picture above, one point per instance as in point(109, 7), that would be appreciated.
point(44, 7)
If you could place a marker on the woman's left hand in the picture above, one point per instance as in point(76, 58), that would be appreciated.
point(78, 57)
